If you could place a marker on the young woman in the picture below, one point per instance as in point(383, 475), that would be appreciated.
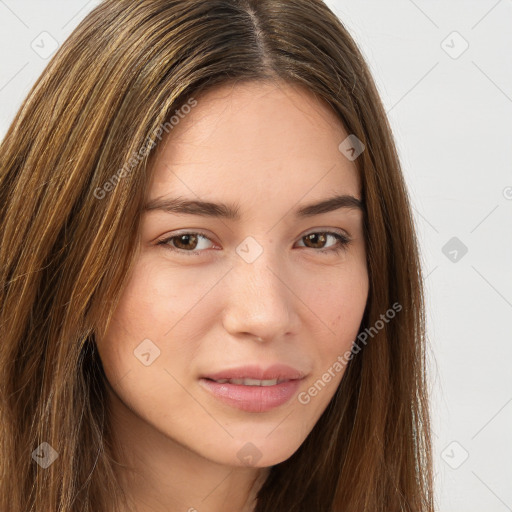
point(211, 293)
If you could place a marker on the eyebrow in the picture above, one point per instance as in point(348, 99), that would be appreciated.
point(232, 212)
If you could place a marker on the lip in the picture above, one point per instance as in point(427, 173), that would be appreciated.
point(254, 398)
point(276, 371)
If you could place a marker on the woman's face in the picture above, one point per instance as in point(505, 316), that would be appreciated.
point(251, 282)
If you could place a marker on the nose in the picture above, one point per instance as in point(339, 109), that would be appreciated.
point(260, 303)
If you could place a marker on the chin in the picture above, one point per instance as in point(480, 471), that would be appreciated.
point(261, 451)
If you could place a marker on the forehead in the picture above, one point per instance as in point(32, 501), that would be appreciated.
point(255, 141)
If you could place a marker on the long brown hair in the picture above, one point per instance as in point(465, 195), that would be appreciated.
point(73, 180)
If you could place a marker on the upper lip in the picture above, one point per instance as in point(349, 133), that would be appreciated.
point(276, 371)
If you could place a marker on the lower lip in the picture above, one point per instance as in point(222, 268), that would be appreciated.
point(253, 398)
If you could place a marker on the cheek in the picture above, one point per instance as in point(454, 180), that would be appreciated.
point(136, 318)
point(138, 361)
point(339, 300)
point(339, 303)
point(160, 304)
point(156, 299)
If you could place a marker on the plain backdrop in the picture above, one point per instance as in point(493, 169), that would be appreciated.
point(444, 72)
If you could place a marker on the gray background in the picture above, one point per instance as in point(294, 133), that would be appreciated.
point(451, 113)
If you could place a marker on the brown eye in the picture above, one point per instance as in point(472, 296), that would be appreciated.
point(186, 243)
point(317, 240)
point(191, 243)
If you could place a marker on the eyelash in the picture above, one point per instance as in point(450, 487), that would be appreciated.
point(343, 240)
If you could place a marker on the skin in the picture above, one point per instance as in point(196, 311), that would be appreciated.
point(268, 149)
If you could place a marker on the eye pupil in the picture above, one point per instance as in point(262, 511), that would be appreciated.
point(186, 238)
point(320, 238)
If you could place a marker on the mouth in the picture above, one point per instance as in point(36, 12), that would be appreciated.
point(252, 388)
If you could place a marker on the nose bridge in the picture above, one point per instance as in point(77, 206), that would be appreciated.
point(259, 300)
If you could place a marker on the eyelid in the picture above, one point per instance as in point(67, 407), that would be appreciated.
point(164, 240)
point(337, 231)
